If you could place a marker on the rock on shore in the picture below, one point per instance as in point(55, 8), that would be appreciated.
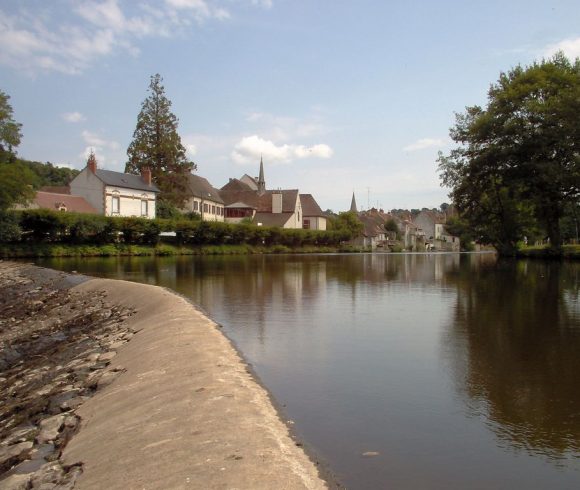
point(110, 384)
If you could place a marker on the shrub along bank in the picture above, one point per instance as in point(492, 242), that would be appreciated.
point(42, 232)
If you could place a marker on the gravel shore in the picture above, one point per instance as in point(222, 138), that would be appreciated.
point(117, 385)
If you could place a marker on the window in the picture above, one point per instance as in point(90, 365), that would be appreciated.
point(205, 207)
point(195, 206)
point(115, 205)
point(306, 224)
point(144, 207)
point(213, 210)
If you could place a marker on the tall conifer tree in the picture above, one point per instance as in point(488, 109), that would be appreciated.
point(157, 145)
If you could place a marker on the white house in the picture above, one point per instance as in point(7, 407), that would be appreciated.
point(115, 193)
point(204, 199)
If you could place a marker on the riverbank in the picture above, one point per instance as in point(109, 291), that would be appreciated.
point(27, 251)
point(114, 384)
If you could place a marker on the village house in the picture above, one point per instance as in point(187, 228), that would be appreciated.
point(432, 224)
point(115, 193)
point(204, 199)
point(248, 198)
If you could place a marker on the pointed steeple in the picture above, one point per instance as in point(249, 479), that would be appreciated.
point(261, 181)
point(353, 205)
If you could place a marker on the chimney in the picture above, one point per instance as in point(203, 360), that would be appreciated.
point(277, 201)
point(146, 175)
point(92, 163)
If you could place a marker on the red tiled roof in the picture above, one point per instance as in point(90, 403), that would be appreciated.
point(75, 204)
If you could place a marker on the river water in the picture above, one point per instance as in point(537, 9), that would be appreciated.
point(454, 371)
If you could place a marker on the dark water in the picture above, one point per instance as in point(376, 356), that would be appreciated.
point(462, 372)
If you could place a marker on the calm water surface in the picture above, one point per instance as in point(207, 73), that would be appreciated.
point(459, 370)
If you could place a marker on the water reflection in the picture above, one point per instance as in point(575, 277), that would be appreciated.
point(446, 365)
point(515, 344)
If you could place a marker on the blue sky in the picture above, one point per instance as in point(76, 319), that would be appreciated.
point(337, 95)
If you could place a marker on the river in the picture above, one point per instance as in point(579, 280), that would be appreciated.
point(450, 371)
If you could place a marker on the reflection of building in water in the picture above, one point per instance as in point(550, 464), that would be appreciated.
point(514, 345)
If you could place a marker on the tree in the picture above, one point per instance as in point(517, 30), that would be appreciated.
point(157, 145)
point(347, 222)
point(16, 181)
point(517, 165)
point(9, 129)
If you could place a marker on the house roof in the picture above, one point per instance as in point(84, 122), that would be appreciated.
point(262, 203)
point(239, 204)
point(236, 185)
point(272, 219)
point(128, 181)
point(51, 200)
point(56, 189)
point(309, 206)
point(200, 187)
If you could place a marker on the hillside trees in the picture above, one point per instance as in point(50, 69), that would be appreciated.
point(517, 163)
point(157, 145)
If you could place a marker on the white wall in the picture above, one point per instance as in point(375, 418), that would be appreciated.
point(130, 202)
point(295, 220)
point(212, 214)
point(316, 222)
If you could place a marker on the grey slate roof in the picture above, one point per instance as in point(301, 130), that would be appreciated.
point(128, 181)
point(200, 187)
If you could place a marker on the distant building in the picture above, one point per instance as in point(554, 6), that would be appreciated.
point(248, 198)
point(432, 224)
point(115, 193)
point(60, 202)
point(204, 199)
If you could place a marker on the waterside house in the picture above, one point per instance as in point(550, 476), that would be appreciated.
point(115, 193)
point(204, 199)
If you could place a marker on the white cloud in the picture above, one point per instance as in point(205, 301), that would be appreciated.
point(570, 47)
point(36, 42)
point(97, 141)
point(250, 148)
point(424, 143)
point(282, 128)
point(73, 117)
point(190, 149)
point(267, 4)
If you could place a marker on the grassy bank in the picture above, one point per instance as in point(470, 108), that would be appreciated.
point(21, 251)
point(569, 252)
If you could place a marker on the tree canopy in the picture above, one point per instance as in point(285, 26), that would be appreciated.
point(517, 164)
point(9, 129)
point(157, 145)
point(16, 180)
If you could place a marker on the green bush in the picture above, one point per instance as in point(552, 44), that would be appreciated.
point(10, 230)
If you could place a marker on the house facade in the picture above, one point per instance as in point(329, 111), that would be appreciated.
point(312, 216)
point(432, 225)
point(115, 193)
point(204, 199)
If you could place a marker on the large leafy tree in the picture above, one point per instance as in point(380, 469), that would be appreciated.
point(157, 145)
point(9, 129)
point(517, 165)
point(16, 181)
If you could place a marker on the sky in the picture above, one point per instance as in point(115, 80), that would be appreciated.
point(339, 96)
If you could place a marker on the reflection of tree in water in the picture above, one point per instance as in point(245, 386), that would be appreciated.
point(515, 347)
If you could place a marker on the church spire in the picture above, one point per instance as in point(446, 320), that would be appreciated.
point(353, 204)
point(261, 181)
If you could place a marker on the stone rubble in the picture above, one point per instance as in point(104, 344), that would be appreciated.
point(55, 351)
